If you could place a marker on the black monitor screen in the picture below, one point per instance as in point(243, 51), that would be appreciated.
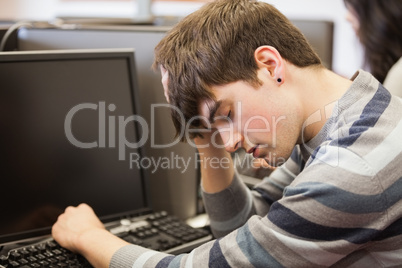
point(67, 126)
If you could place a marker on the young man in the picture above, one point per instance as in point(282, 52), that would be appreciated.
point(243, 77)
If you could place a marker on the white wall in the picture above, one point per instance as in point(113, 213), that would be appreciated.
point(347, 51)
point(27, 9)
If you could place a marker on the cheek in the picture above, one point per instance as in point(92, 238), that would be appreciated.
point(257, 123)
point(264, 121)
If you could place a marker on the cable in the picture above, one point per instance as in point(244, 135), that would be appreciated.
point(10, 31)
point(56, 23)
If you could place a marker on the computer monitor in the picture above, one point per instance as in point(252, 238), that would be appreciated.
point(173, 188)
point(63, 115)
point(320, 35)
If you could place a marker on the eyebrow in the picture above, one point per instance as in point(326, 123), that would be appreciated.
point(213, 109)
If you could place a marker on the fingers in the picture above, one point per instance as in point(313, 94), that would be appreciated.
point(69, 209)
point(73, 223)
point(72, 209)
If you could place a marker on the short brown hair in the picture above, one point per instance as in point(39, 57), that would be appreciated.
point(215, 46)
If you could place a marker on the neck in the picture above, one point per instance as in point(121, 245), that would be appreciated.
point(318, 89)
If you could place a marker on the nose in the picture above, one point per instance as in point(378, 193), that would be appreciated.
point(232, 140)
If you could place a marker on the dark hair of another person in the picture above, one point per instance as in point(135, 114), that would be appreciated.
point(380, 33)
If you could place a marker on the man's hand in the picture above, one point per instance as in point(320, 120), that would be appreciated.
point(210, 147)
point(73, 224)
point(79, 230)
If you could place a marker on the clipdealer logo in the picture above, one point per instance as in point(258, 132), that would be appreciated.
point(107, 128)
point(121, 130)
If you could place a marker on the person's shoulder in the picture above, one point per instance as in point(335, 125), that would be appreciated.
point(393, 81)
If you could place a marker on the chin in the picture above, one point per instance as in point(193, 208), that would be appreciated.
point(277, 158)
point(275, 162)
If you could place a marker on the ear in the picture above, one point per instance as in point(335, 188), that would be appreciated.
point(268, 57)
point(165, 81)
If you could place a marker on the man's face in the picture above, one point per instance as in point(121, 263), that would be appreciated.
point(265, 121)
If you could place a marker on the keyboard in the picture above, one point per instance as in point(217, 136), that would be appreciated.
point(44, 254)
point(158, 231)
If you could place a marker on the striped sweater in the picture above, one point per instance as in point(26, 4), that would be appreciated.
point(336, 202)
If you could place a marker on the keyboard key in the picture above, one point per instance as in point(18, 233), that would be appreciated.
point(13, 264)
point(15, 255)
point(3, 259)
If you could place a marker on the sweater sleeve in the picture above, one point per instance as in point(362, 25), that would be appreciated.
point(232, 207)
